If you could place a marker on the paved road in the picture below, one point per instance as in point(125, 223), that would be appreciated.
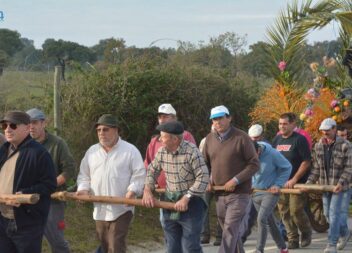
point(318, 245)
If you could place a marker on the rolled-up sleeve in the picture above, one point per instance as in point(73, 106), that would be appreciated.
point(138, 173)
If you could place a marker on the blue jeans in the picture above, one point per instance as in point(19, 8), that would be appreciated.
point(265, 204)
point(183, 235)
point(344, 213)
point(333, 204)
point(20, 240)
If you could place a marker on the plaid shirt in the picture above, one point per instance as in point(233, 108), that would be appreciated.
point(340, 164)
point(185, 170)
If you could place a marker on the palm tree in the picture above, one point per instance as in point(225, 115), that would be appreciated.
point(288, 35)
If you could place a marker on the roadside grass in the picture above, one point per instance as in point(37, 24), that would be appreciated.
point(20, 90)
point(80, 228)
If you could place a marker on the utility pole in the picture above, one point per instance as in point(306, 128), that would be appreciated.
point(57, 95)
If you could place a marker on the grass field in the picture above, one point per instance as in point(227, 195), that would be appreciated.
point(22, 90)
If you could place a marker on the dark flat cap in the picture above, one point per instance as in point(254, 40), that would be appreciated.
point(107, 120)
point(16, 117)
point(172, 127)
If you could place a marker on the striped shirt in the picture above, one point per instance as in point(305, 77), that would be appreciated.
point(185, 170)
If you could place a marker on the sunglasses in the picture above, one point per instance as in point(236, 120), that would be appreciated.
point(103, 129)
point(12, 126)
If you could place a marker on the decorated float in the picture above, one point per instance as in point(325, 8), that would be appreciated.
point(329, 94)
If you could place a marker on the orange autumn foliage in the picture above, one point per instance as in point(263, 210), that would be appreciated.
point(277, 100)
point(321, 110)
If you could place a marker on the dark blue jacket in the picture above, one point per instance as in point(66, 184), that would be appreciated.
point(34, 173)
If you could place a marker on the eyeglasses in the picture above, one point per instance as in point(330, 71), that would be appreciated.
point(103, 129)
point(12, 126)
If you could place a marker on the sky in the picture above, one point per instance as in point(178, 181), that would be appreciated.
point(142, 23)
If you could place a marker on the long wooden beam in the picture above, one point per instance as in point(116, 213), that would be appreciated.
point(64, 196)
point(221, 188)
point(19, 198)
point(282, 191)
point(315, 187)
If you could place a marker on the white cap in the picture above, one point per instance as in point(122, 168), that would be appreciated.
point(219, 111)
point(255, 131)
point(327, 124)
point(167, 109)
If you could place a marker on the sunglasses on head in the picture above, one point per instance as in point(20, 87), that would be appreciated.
point(5, 125)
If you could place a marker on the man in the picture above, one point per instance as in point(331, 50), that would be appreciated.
point(294, 147)
point(255, 132)
point(113, 167)
point(166, 113)
point(273, 174)
point(332, 165)
point(186, 181)
point(342, 132)
point(25, 167)
point(345, 233)
point(230, 154)
point(64, 167)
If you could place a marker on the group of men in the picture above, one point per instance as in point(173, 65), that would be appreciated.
point(327, 163)
point(227, 165)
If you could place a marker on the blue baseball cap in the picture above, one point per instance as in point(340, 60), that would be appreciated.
point(219, 111)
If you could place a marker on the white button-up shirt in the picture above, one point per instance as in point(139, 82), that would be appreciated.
point(112, 173)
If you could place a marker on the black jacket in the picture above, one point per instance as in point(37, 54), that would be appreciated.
point(34, 173)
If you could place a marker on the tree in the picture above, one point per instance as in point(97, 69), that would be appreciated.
point(10, 43)
point(3, 60)
point(62, 51)
point(254, 62)
point(108, 49)
point(29, 58)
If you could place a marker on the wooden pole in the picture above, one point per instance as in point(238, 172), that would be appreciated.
point(63, 196)
point(57, 95)
point(315, 187)
point(282, 191)
point(20, 198)
point(221, 188)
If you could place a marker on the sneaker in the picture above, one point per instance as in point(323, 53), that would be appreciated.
point(217, 242)
point(343, 241)
point(330, 249)
point(284, 250)
point(293, 245)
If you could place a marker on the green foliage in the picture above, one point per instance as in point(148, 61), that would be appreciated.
point(57, 50)
point(3, 58)
point(10, 41)
point(133, 91)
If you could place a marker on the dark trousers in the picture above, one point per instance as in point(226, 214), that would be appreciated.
point(20, 240)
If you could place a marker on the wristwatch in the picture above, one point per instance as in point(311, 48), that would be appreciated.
point(188, 195)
